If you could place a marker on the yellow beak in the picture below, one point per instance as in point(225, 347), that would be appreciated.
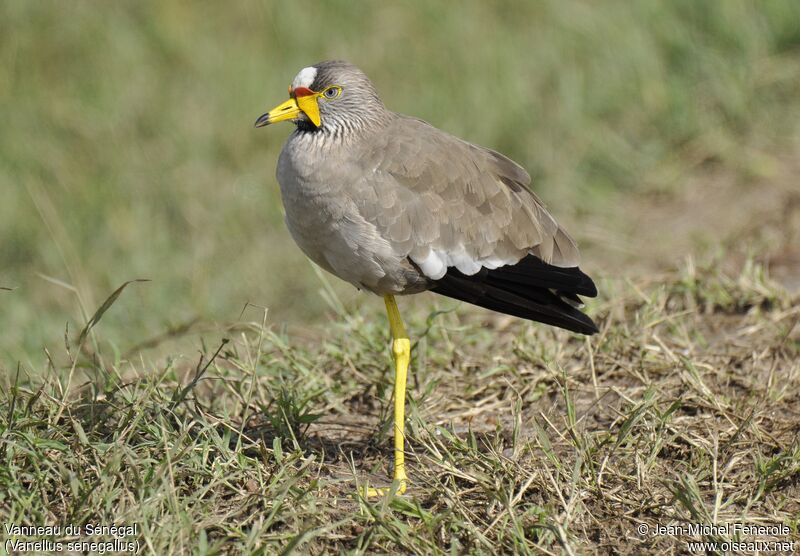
point(291, 109)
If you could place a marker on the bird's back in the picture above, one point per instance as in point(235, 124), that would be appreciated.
point(431, 192)
point(465, 217)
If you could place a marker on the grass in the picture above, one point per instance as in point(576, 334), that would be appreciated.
point(129, 151)
point(236, 402)
point(521, 438)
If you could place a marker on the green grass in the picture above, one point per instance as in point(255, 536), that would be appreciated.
point(127, 149)
point(549, 444)
point(237, 401)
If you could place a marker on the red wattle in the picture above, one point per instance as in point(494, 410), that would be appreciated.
point(302, 92)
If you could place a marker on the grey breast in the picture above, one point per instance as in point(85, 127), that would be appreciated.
point(322, 191)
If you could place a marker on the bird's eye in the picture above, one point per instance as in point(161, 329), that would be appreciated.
point(332, 92)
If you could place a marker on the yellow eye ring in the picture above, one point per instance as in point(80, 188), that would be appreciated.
point(331, 92)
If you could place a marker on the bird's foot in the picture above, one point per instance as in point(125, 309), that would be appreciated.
point(398, 487)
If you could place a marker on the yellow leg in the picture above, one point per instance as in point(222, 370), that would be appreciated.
point(401, 351)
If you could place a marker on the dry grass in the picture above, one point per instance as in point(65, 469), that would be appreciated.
point(128, 151)
point(660, 135)
point(521, 438)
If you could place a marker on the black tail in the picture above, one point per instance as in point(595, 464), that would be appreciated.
point(530, 289)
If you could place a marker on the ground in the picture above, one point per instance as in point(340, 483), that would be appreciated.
point(240, 400)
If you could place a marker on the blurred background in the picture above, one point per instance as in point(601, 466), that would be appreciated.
point(654, 130)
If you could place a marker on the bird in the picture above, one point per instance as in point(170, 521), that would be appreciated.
point(395, 206)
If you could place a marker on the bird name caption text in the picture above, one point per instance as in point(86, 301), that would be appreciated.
point(89, 537)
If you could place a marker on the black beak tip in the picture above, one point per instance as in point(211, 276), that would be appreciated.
point(262, 121)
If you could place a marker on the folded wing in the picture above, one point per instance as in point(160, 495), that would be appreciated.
point(465, 217)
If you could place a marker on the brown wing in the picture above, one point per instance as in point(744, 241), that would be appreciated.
point(464, 216)
point(447, 203)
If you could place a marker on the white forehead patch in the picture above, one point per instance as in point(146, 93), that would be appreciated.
point(305, 78)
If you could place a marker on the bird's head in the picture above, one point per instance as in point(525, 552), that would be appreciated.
point(328, 95)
